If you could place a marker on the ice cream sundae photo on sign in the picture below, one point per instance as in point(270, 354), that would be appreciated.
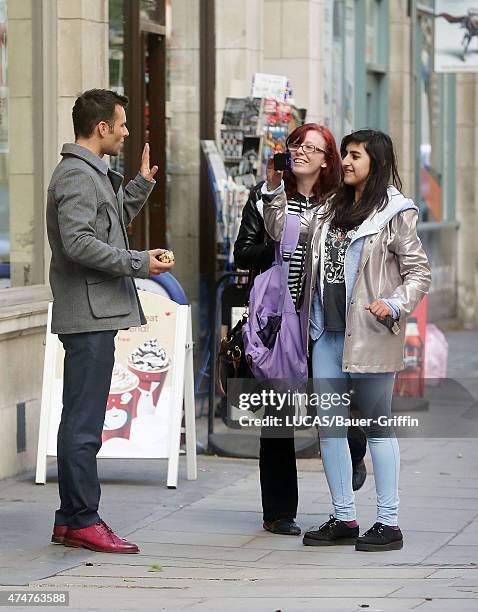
point(150, 363)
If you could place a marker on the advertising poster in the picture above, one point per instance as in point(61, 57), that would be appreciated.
point(456, 36)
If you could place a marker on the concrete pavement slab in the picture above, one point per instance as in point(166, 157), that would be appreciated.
point(429, 504)
point(283, 573)
point(445, 522)
point(241, 588)
point(470, 573)
point(130, 598)
point(430, 589)
point(154, 534)
point(301, 604)
point(448, 605)
point(127, 599)
point(338, 558)
point(417, 546)
point(213, 521)
point(151, 571)
point(468, 536)
point(453, 554)
point(186, 551)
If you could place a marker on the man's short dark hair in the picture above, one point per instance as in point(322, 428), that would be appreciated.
point(94, 106)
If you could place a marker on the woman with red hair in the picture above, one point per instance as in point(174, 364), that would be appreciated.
point(315, 174)
point(316, 163)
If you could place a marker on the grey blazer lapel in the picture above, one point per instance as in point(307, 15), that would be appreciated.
point(116, 180)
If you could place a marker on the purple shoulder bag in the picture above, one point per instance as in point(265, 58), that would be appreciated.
point(272, 334)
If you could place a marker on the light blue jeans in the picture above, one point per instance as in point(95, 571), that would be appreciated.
point(372, 395)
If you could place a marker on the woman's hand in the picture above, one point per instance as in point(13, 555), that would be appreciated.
point(379, 309)
point(274, 177)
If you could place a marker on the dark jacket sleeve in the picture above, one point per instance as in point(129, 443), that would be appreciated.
point(252, 249)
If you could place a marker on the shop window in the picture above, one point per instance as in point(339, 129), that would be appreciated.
point(137, 69)
point(376, 59)
point(4, 186)
point(116, 62)
point(430, 123)
point(372, 39)
point(152, 10)
point(339, 71)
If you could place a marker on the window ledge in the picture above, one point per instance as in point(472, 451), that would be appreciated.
point(23, 309)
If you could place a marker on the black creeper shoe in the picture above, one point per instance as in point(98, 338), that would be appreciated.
point(331, 533)
point(380, 537)
point(282, 527)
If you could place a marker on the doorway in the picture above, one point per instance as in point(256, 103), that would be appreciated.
point(145, 85)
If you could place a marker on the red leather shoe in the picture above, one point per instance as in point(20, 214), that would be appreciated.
point(59, 533)
point(100, 538)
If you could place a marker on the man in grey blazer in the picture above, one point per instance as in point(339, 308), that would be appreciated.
point(94, 295)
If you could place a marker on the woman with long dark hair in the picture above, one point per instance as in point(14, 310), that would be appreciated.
point(307, 187)
point(368, 271)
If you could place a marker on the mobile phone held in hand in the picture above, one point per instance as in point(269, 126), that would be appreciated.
point(282, 161)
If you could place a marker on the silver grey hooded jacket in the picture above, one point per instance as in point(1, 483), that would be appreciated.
point(385, 260)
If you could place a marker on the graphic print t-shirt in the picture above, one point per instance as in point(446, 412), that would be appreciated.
point(337, 242)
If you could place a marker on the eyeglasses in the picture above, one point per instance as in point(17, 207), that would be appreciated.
point(307, 148)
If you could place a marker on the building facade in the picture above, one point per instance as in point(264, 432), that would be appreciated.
point(351, 64)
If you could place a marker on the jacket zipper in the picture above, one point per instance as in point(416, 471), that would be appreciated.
point(302, 259)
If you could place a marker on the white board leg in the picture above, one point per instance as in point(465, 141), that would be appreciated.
point(48, 368)
point(189, 405)
point(177, 389)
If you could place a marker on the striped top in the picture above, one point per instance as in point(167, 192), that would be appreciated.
point(297, 204)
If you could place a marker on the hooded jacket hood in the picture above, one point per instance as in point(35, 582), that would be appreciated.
point(397, 203)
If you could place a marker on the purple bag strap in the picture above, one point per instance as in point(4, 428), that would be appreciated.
point(288, 245)
point(290, 235)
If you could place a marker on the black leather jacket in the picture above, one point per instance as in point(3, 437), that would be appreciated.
point(253, 249)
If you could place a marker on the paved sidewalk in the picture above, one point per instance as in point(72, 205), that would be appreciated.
point(203, 548)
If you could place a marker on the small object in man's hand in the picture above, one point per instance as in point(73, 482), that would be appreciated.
point(166, 257)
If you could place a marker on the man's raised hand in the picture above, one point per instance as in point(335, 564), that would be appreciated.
point(147, 172)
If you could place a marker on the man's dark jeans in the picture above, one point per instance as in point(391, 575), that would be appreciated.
point(89, 360)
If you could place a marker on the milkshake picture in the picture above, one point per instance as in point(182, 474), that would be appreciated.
point(121, 405)
point(150, 363)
